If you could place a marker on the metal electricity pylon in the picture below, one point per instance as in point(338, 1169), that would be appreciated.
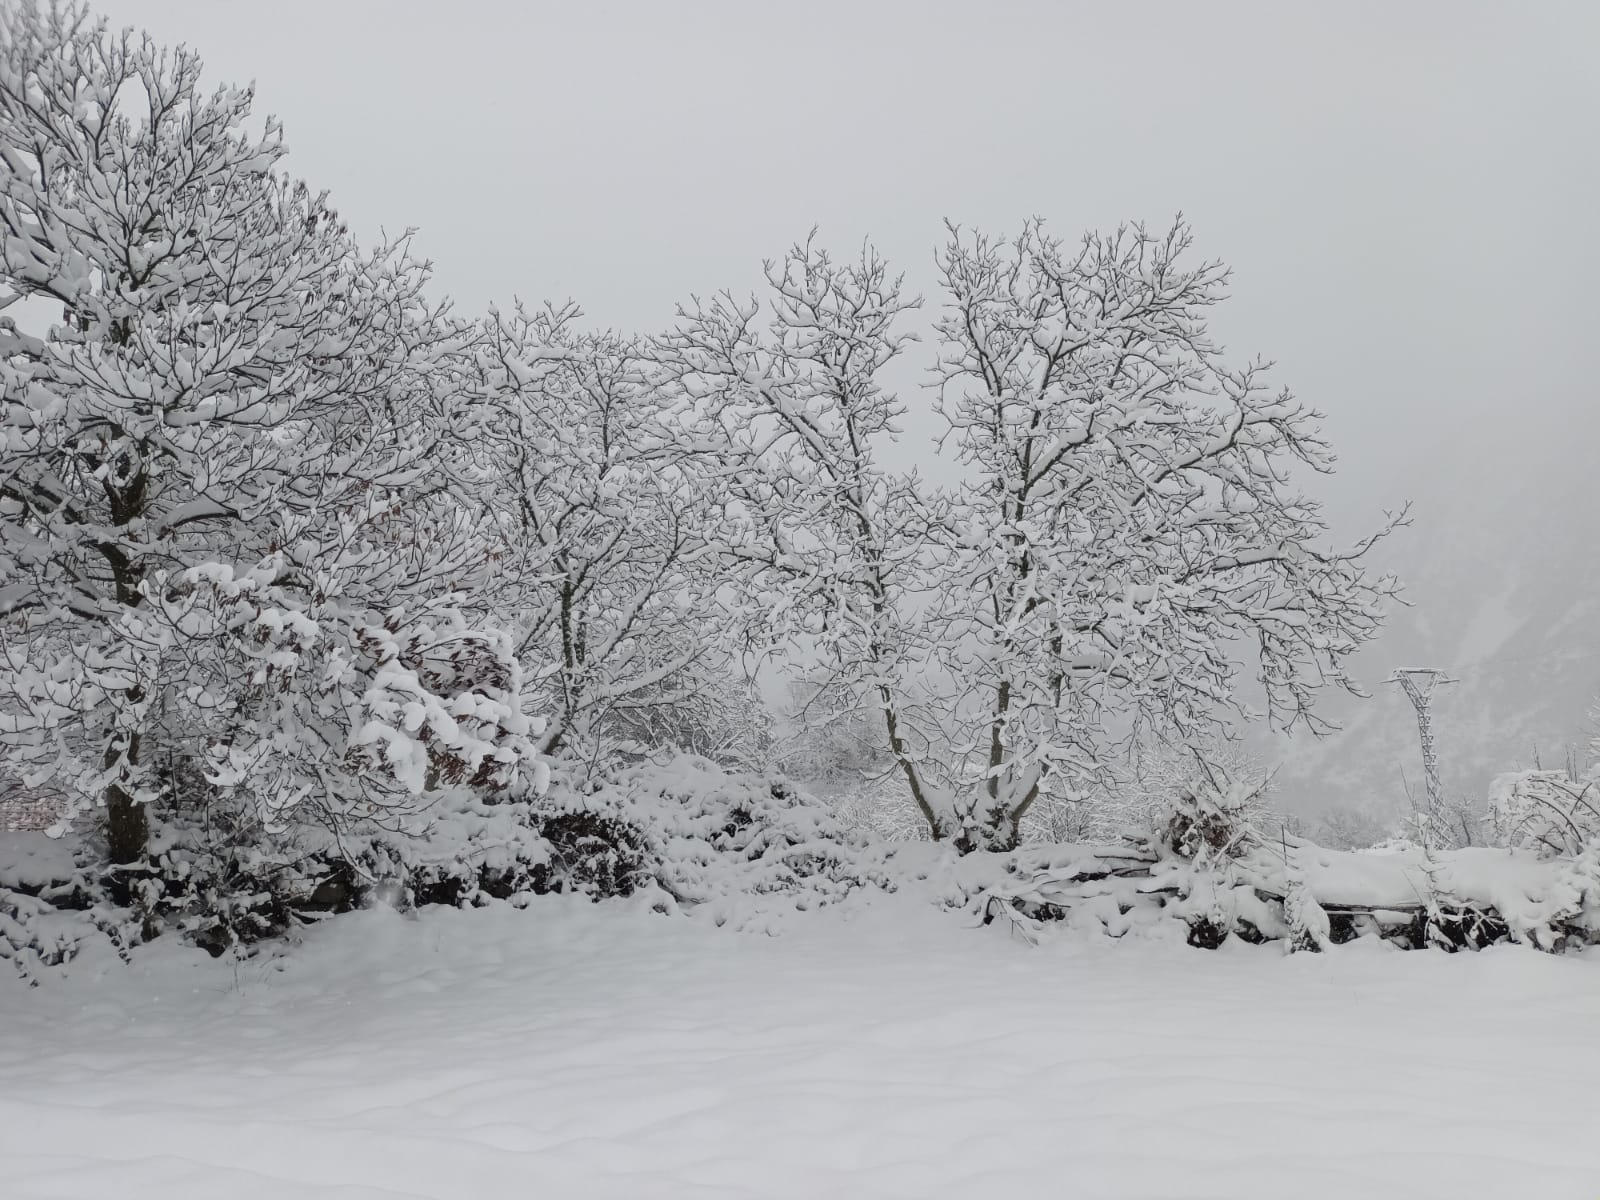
point(1419, 684)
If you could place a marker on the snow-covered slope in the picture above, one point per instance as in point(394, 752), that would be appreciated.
point(874, 1051)
point(1503, 579)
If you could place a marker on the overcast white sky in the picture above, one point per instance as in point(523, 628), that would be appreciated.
point(1407, 192)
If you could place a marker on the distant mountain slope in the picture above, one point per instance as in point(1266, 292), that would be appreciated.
point(1502, 570)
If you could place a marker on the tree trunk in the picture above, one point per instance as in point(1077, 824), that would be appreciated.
point(127, 829)
point(997, 749)
point(993, 825)
point(127, 820)
point(897, 747)
point(998, 825)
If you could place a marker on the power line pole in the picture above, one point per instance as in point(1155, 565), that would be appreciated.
point(1419, 684)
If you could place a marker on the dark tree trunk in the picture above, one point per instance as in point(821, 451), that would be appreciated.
point(127, 821)
point(127, 828)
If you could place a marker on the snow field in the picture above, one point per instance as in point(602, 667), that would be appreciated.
point(880, 1050)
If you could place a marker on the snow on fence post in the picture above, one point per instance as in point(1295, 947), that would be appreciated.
point(1419, 683)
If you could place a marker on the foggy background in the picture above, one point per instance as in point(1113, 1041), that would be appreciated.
point(1407, 195)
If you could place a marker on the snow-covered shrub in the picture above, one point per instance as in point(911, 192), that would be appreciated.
point(354, 712)
point(589, 852)
point(1553, 812)
point(878, 809)
point(50, 903)
point(1206, 847)
point(54, 906)
point(1200, 867)
point(220, 880)
point(1146, 789)
point(1066, 816)
point(1095, 888)
point(22, 939)
point(735, 843)
point(1309, 926)
point(742, 848)
point(1572, 917)
point(1209, 824)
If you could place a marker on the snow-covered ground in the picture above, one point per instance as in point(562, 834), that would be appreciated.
point(885, 1050)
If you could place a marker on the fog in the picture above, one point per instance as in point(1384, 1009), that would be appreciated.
point(1406, 194)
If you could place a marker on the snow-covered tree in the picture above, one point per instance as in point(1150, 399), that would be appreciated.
point(1352, 827)
point(1130, 520)
point(842, 544)
point(225, 528)
point(713, 711)
point(1127, 523)
point(830, 738)
point(1142, 783)
point(614, 556)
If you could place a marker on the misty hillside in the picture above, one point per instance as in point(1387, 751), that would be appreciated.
point(1502, 596)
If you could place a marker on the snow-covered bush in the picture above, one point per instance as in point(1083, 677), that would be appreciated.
point(1207, 849)
point(1309, 926)
point(26, 939)
point(54, 907)
point(1208, 779)
point(1307, 895)
point(1207, 864)
point(600, 856)
point(1553, 812)
point(711, 712)
point(220, 880)
point(738, 845)
point(878, 809)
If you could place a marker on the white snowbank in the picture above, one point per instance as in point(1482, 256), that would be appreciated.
point(880, 1049)
point(1500, 879)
